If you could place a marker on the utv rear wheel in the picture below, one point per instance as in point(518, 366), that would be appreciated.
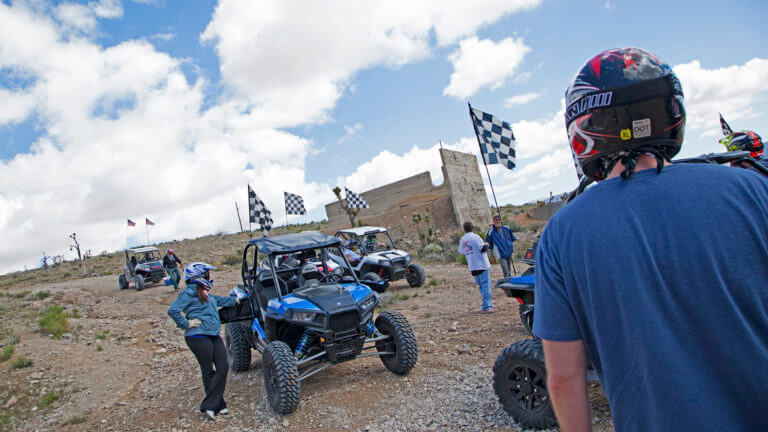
point(415, 275)
point(402, 343)
point(238, 348)
point(281, 377)
point(519, 381)
point(139, 282)
point(122, 281)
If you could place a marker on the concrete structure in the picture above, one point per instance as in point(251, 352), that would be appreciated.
point(460, 198)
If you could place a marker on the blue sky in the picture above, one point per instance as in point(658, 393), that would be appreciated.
point(166, 109)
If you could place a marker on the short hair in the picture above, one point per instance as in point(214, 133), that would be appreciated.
point(468, 226)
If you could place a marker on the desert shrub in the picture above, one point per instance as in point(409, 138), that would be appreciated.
point(460, 258)
point(432, 282)
point(7, 352)
point(21, 294)
point(40, 295)
point(402, 296)
point(54, 321)
point(8, 338)
point(21, 362)
point(47, 399)
point(101, 335)
point(233, 259)
point(433, 257)
point(433, 248)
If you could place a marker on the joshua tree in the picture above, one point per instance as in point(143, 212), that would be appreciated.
point(76, 247)
point(352, 213)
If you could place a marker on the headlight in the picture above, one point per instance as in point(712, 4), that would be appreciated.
point(303, 316)
point(367, 304)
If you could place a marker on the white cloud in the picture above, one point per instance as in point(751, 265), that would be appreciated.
point(483, 63)
point(163, 36)
point(732, 90)
point(521, 99)
point(350, 132)
point(16, 106)
point(609, 5)
point(295, 77)
point(84, 17)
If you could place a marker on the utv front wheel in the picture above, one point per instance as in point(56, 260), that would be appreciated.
point(238, 348)
point(139, 282)
point(519, 381)
point(415, 275)
point(281, 377)
point(401, 343)
point(122, 281)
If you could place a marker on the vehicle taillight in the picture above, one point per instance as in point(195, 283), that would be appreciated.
point(519, 300)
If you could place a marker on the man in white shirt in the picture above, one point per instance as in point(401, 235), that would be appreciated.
point(476, 251)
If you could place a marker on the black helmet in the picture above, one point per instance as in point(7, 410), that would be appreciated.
point(623, 102)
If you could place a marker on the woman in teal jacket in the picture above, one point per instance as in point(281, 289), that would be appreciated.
point(196, 312)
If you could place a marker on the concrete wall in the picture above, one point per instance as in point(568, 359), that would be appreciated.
point(546, 211)
point(470, 203)
point(461, 197)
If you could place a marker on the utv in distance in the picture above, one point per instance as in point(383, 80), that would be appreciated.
point(142, 265)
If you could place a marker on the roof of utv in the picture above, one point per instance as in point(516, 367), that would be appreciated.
point(144, 249)
point(294, 242)
point(361, 231)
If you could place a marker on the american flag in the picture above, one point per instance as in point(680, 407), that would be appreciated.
point(148, 222)
point(495, 137)
point(131, 223)
point(258, 212)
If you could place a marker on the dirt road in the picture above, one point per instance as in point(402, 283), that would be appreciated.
point(124, 366)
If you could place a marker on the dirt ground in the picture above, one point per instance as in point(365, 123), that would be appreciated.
point(123, 365)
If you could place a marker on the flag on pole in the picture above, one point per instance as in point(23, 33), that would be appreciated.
point(724, 125)
point(148, 222)
point(131, 223)
point(497, 142)
point(354, 200)
point(258, 212)
point(294, 204)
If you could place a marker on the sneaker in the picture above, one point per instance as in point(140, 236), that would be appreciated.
point(491, 309)
point(223, 411)
point(209, 414)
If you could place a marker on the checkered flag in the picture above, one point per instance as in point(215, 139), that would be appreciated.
point(354, 200)
point(497, 142)
point(294, 204)
point(258, 212)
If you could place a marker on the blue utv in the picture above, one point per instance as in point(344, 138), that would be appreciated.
point(306, 311)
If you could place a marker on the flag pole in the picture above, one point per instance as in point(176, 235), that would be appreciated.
point(146, 226)
point(483, 158)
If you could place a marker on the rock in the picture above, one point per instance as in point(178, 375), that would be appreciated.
point(285, 423)
point(11, 402)
point(453, 328)
point(66, 336)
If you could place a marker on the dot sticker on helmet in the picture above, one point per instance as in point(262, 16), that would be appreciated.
point(641, 128)
point(626, 134)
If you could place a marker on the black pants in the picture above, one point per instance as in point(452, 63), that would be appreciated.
point(212, 357)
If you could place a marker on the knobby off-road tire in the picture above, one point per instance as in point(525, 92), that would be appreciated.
point(415, 275)
point(139, 282)
point(402, 343)
point(238, 347)
point(527, 318)
point(122, 282)
point(281, 377)
point(519, 381)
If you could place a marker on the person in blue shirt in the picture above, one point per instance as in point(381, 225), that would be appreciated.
point(501, 238)
point(656, 274)
point(196, 312)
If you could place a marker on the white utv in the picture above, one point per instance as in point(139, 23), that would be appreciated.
point(379, 258)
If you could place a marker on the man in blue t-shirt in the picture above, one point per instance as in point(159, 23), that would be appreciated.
point(657, 273)
point(501, 238)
